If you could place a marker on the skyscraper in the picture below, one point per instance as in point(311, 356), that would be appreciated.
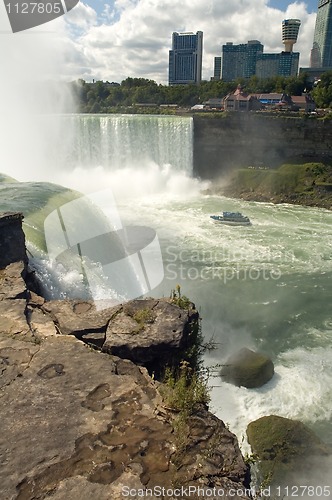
point(321, 54)
point(239, 61)
point(217, 68)
point(282, 64)
point(185, 58)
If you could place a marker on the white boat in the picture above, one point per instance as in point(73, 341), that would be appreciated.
point(231, 219)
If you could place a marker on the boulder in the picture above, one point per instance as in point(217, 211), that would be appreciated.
point(152, 333)
point(283, 447)
point(248, 369)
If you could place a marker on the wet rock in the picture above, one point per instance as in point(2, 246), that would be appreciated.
point(283, 447)
point(248, 369)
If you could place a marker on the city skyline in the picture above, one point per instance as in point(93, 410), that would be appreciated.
point(133, 37)
point(248, 59)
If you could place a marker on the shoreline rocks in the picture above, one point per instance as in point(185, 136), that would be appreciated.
point(80, 423)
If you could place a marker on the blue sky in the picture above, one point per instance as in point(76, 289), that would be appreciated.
point(283, 4)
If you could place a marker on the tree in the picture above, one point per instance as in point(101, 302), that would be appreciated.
point(322, 93)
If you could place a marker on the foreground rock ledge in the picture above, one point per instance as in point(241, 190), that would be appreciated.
point(77, 423)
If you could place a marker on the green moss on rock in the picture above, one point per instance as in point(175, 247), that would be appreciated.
point(283, 446)
point(248, 369)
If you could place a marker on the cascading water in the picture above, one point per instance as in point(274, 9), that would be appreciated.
point(122, 141)
point(153, 152)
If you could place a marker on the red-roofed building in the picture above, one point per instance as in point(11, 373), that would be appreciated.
point(304, 102)
point(241, 101)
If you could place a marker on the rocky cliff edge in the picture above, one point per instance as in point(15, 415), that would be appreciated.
point(80, 415)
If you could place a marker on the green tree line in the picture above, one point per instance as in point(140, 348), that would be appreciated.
point(105, 97)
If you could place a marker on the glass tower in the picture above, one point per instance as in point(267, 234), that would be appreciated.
point(283, 64)
point(239, 61)
point(185, 58)
point(321, 54)
point(217, 68)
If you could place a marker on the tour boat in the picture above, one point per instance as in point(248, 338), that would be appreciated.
point(231, 219)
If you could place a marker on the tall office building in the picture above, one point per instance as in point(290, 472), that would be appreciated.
point(185, 58)
point(321, 54)
point(217, 68)
point(290, 31)
point(282, 64)
point(239, 61)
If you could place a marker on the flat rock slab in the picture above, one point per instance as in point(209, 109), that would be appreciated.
point(12, 284)
point(79, 424)
point(66, 412)
point(78, 317)
point(12, 318)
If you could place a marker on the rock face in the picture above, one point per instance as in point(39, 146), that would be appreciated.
point(77, 423)
point(12, 240)
point(242, 139)
point(248, 369)
point(283, 446)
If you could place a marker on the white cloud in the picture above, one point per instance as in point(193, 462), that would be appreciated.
point(82, 16)
point(133, 38)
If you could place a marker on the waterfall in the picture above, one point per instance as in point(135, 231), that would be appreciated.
point(125, 141)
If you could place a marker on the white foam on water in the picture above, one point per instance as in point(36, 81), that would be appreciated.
point(301, 389)
point(139, 182)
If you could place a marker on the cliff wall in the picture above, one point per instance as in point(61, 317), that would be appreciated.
point(223, 142)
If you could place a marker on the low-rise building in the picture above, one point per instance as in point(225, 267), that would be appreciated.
point(240, 100)
point(273, 99)
point(304, 103)
point(214, 103)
